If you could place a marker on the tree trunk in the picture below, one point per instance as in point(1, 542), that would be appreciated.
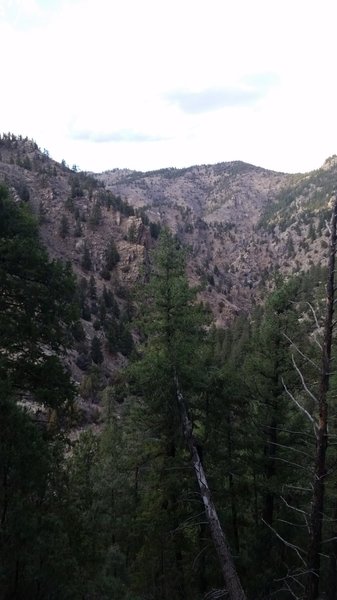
point(232, 582)
point(316, 521)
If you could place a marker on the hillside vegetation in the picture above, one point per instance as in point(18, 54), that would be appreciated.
point(154, 325)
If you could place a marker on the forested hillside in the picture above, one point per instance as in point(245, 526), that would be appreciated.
point(147, 453)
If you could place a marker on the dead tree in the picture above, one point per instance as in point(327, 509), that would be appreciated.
point(231, 579)
point(317, 506)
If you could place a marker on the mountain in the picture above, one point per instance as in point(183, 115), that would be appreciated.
point(240, 223)
point(118, 514)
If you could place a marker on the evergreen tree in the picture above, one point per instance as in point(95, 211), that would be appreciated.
point(36, 308)
point(64, 227)
point(36, 559)
point(95, 216)
point(78, 228)
point(86, 263)
point(268, 370)
point(111, 255)
point(96, 350)
point(173, 351)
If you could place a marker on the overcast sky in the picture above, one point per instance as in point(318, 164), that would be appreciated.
point(145, 84)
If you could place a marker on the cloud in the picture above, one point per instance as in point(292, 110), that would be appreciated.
point(246, 94)
point(122, 135)
point(262, 81)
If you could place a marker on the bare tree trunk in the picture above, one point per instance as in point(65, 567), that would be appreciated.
point(232, 582)
point(316, 521)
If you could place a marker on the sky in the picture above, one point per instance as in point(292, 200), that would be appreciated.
point(147, 84)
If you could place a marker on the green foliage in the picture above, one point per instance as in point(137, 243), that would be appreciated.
point(110, 302)
point(111, 259)
point(23, 192)
point(172, 326)
point(64, 227)
point(92, 291)
point(78, 228)
point(109, 200)
point(96, 350)
point(132, 233)
point(92, 384)
point(119, 515)
point(69, 204)
point(76, 187)
point(86, 263)
point(111, 255)
point(313, 190)
point(118, 336)
point(36, 307)
point(78, 331)
point(95, 217)
point(35, 555)
point(100, 497)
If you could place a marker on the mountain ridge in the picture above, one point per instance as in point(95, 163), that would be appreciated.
point(240, 222)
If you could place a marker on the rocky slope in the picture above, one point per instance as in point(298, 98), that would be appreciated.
point(240, 224)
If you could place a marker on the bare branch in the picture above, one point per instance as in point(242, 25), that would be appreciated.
point(226, 563)
point(307, 414)
point(215, 594)
point(287, 588)
point(288, 544)
point(318, 343)
point(290, 523)
point(294, 576)
point(303, 512)
point(333, 539)
point(300, 433)
point(299, 510)
point(198, 555)
point(300, 352)
point(297, 487)
point(288, 462)
point(314, 314)
point(291, 591)
point(302, 380)
point(290, 448)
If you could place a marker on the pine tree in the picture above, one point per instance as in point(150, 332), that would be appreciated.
point(170, 369)
point(86, 263)
point(36, 308)
point(96, 350)
point(64, 227)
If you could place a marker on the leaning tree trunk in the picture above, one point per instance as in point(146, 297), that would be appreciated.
point(232, 582)
point(317, 508)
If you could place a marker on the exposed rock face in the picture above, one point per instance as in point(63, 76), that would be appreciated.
point(240, 223)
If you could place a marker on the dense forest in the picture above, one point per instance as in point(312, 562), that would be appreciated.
point(119, 512)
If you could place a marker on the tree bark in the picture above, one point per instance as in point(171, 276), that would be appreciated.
point(231, 579)
point(317, 508)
